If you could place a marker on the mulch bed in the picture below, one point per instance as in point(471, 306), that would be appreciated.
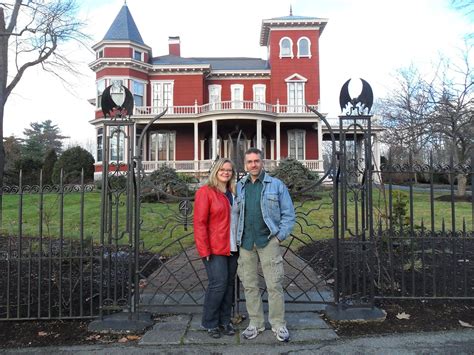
point(416, 316)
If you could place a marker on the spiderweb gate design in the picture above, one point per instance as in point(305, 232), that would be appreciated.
point(172, 274)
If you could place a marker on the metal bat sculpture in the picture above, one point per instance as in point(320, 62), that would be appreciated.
point(361, 102)
point(109, 107)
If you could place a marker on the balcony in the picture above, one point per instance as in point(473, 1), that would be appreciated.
point(224, 106)
point(203, 166)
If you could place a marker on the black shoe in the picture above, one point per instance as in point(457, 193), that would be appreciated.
point(227, 329)
point(214, 333)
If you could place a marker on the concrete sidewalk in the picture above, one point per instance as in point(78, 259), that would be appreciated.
point(181, 334)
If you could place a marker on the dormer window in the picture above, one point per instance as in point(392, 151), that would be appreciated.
point(137, 55)
point(304, 48)
point(286, 47)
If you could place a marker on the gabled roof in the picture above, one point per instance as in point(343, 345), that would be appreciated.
point(237, 63)
point(290, 21)
point(124, 28)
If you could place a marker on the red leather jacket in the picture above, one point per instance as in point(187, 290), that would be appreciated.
point(211, 222)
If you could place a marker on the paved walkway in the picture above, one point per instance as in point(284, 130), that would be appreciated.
point(185, 329)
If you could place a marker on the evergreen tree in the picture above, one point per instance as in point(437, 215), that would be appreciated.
point(48, 165)
point(42, 137)
point(72, 161)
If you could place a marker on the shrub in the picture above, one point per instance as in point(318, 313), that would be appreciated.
point(294, 174)
point(72, 161)
point(165, 181)
point(30, 169)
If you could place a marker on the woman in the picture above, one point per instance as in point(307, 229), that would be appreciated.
point(216, 244)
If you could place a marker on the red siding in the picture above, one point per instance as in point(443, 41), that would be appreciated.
point(285, 67)
point(118, 52)
point(187, 88)
point(185, 142)
point(311, 144)
point(226, 94)
point(125, 72)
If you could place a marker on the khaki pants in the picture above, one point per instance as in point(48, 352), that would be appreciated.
point(272, 267)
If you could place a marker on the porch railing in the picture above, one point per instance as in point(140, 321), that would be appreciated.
point(224, 106)
point(193, 166)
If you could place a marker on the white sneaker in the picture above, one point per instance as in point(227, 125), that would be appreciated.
point(251, 332)
point(282, 334)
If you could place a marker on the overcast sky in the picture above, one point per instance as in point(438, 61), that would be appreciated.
point(365, 38)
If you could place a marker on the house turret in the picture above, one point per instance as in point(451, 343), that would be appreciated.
point(293, 55)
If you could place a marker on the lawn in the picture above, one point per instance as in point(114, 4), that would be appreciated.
point(164, 228)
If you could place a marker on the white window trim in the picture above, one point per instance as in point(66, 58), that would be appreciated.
point(309, 48)
point(237, 102)
point(291, 48)
point(292, 79)
point(174, 144)
point(144, 82)
point(141, 54)
point(153, 82)
point(294, 131)
point(259, 104)
point(97, 104)
point(110, 132)
point(99, 133)
point(214, 105)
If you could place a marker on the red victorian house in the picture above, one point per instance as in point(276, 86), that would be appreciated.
point(216, 106)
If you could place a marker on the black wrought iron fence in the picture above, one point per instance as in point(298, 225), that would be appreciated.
point(423, 241)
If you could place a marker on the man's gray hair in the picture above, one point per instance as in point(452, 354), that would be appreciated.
point(254, 151)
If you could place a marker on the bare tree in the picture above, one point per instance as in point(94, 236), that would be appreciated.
point(32, 33)
point(423, 116)
point(405, 112)
point(453, 121)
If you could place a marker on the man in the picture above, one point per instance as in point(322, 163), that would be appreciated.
point(266, 217)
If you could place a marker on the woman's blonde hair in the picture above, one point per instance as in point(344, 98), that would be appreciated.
point(214, 182)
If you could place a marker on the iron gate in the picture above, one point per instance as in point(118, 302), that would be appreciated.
point(128, 243)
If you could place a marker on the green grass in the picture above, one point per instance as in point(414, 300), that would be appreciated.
point(163, 227)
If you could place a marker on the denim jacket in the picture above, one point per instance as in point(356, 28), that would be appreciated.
point(277, 208)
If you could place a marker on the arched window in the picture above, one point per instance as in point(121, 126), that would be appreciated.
point(304, 47)
point(117, 145)
point(286, 47)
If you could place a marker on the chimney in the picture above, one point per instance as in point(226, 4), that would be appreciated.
point(174, 46)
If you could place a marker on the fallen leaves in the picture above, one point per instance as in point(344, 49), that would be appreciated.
point(128, 338)
point(403, 315)
point(465, 324)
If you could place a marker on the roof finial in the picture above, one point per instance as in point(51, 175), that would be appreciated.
point(291, 10)
point(125, 2)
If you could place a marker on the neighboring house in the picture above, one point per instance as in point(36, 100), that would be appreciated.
point(216, 106)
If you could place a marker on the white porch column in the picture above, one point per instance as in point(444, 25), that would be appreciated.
point(225, 148)
point(202, 149)
point(278, 142)
point(272, 149)
point(259, 134)
point(196, 147)
point(214, 140)
point(320, 146)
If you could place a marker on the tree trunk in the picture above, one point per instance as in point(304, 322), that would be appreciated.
point(462, 183)
point(3, 86)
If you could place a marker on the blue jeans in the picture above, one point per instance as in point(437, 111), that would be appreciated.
point(221, 272)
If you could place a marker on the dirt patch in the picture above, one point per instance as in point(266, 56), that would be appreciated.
point(413, 316)
point(23, 334)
